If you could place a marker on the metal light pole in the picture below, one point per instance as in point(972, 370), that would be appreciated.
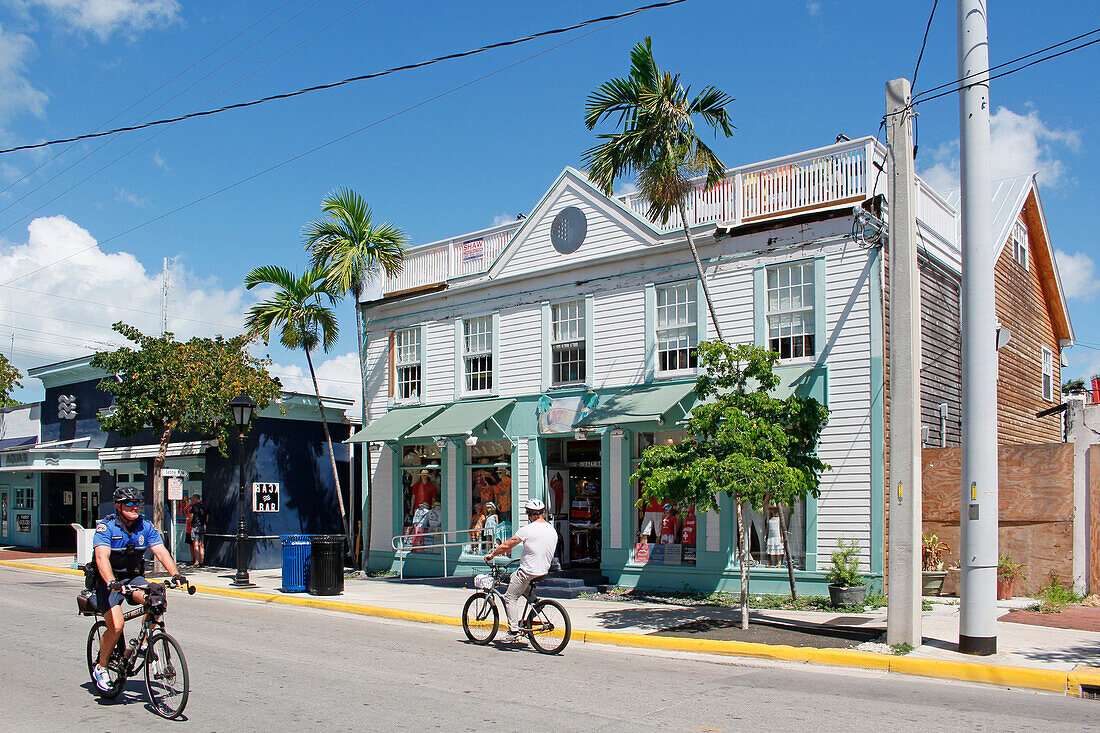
point(242, 406)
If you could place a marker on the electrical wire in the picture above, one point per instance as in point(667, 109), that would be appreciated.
point(350, 80)
point(86, 301)
point(925, 41)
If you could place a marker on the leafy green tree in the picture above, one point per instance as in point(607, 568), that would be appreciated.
point(351, 250)
point(172, 386)
point(9, 380)
point(743, 442)
point(298, 310)
point(1073, 385)
point(657, 140)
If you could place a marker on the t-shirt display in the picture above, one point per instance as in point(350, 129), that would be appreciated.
point(489, 476)
point(421, 495)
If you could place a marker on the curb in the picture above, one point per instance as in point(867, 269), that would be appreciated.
point(1067, 682)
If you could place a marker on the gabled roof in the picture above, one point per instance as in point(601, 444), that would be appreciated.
point(1010, 196)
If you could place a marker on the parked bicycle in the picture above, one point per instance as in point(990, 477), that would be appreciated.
point(152, 649)
point(544, 621)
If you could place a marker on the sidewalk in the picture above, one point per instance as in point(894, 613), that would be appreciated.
point(1037, 657)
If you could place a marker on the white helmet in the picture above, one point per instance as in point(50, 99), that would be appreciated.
point(534, 506)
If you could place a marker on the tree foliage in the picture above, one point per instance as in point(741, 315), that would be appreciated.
point(9, 380)
point(743, 442)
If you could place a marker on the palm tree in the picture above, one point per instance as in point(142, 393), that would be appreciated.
point(306, 324)
point(350, 249)
point(657, 140)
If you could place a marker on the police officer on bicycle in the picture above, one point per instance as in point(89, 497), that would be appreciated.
point(119, 546)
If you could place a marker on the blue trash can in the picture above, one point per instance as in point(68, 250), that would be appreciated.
point(296, 556)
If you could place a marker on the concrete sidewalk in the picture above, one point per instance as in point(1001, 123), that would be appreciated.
point(1029, 656)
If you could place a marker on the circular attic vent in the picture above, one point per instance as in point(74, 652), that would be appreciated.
point(568, 230)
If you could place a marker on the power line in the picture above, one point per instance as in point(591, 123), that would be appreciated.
point(363, 77)
point(925, 41)
point(305, 154)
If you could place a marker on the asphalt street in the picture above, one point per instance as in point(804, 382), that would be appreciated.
point(257, 666)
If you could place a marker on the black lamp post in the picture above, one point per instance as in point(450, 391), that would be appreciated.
point(243, 407)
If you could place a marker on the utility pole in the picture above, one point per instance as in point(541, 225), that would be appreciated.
point(903, 618)
point(978, 511)
point(164, 298)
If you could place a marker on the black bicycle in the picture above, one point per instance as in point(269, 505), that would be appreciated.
point(152, 649)
point(545, 622)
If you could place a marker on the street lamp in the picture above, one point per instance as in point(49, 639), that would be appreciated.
point(242, 406)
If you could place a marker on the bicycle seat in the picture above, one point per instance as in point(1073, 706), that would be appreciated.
point(538, 579)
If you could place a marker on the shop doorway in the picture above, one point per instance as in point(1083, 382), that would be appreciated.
point(87, 506)
point(5, 526)
point(574, 499)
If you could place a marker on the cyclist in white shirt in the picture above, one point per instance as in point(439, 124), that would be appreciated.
point(539, 539)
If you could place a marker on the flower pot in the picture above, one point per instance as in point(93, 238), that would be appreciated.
point(847, 595)
point(1004, 589)
point(932, 582)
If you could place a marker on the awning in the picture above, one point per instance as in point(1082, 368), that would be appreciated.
point(6, 443)
point(395, 424)
point(461, 418)
point(640, 404)
point(175, 450)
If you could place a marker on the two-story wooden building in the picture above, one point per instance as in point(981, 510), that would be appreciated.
point(539, 358)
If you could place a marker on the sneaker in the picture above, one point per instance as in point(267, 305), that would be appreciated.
point(511, 637)
point(102, 678)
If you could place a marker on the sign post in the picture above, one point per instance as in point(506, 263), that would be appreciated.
point(175, 477)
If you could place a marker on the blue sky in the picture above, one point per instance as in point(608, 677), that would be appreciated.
point(446, 149)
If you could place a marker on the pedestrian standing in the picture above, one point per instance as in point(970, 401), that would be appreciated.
point(198, 517)
point(187, 531)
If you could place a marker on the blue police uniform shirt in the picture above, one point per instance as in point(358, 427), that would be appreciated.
point(110, 532)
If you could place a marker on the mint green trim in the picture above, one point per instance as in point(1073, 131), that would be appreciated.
point(811, 533)
point(650, 331)
point(878, 417)
point(630, 512)
point(545, 318)
point(589, 342)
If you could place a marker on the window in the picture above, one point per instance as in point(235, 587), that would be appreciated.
point(1019, 243)
point(489, 476)
point(662, 536)
point(477, 353)
point(1048, 374)
point(567, 343)
point(677, 332)
point(407, 364)
point(790, 310)
point(421, 507)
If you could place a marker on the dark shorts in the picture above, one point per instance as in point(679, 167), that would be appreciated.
point(106, 599)
point(198, 533)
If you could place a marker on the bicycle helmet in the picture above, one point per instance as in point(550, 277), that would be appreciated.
point(534, 506)
point(128, 493)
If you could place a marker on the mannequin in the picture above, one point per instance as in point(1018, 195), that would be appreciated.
point(774, 547)
point(424, 491)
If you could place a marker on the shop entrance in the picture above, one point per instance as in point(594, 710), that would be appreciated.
point(5, 505)
point(87, 505)
point(573, 470)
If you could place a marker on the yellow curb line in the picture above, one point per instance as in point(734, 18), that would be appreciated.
point(1066, 682)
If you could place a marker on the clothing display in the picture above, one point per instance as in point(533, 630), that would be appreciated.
point(424, 492)
point(775, 539)
point(687, 532)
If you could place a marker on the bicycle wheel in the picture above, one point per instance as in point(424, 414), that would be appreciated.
point(480, 618)
point(114, 663)
point(548, 627)
point(166, 679)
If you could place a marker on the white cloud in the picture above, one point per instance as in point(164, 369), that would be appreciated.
point(1018, 144)
point(160, 162)
point(93, 289)
point(813, 8)
point(17, 95)
point(1078, 274)
point(337, 376)
point(105, 17)
point(128, 197)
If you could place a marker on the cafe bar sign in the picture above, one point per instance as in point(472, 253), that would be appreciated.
point(17, 459)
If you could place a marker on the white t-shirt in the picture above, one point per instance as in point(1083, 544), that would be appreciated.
point(539, 542)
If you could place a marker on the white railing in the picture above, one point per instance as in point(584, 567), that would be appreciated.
point(814, 179)
point(440, 261)
point(467, 541)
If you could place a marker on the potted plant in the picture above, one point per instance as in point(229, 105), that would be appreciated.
point(1008, 572)
point(846, 587)
point(933, 573)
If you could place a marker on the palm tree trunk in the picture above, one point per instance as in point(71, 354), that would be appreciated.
point(787, 551)
point(744, 566)
point(699, 267)
point(366, 484)
point(331, 454)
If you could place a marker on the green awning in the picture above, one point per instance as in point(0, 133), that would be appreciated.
point(461, 418)
point(395, 424)
point(641, 404)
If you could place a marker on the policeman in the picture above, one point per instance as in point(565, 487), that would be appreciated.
point(119, 546)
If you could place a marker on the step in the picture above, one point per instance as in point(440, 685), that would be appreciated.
point(561, 583)
point(571, 592)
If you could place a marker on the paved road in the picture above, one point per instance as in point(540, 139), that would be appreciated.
point(256, 666)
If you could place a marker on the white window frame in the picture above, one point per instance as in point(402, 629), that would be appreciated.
point(404, 358)
point(1047, 366)
point(684, 327)
point(793, 314)
point(1020, 243)
point(568, 332)
point(486, 343)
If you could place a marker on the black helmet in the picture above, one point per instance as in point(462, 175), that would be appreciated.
point(128, 493)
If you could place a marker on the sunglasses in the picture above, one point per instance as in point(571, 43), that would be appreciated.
point(132, 504)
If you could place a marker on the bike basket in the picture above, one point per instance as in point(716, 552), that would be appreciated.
point(483, 581)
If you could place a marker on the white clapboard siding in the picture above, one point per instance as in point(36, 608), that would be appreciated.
point(377, 358)
point(439, 366)
point(604, 236)
point(619, 336)
point(381, 460)
point(520, 368)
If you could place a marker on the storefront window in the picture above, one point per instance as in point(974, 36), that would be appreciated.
point(489, 476)
point(421, 505)
point(665, 533)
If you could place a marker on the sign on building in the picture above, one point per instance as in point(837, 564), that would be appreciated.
point(265, 497)
point(473, 250)
point(174, 472)
point(23, 522)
